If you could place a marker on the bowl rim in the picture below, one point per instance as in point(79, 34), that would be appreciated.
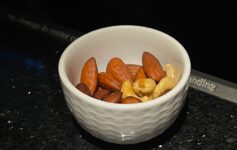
point(160, 100)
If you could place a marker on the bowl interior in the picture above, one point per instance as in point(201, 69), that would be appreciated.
point(126, 42)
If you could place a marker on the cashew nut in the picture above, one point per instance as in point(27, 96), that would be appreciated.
point(127, 89)
point(165, 84)
point(144, 86)
point(173, 71)
point(146, 89)
point(146, 98)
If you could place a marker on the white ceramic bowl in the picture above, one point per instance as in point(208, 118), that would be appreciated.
point(123, 123)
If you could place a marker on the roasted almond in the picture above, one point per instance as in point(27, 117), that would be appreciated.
point(152, 66)
point(101, 93)
point(140, 74)
point(130, 100)
point(119, 70)
point(83, 88)
point(107, 81)
point(113, 98)
point(133, 68)
point(89, 74)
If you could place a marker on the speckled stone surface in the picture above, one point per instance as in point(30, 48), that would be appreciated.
point(34, 115)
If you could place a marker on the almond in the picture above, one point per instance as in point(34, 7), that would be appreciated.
point(89, 75)
point(152, 66)
point(113, 98)
point(130, 100)
point(83, 88)
point(140, 74)
point(101, 93)
point(133, 68)
point(119, 70)
point(109, 82)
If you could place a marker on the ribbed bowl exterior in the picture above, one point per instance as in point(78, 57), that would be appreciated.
point(125, 126)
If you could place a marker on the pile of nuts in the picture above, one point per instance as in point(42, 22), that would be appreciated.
point(128, 83)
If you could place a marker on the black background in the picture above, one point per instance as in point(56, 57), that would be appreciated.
point(206, 30)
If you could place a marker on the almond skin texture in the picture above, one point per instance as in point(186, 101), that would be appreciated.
point(133, 68)
point(89, 74)
point(130, 100)
point(152, 66)
point(114, 98)
point(140, 74)
point(83, 88)
point(101, 93)
point(119, 70)
point(109, 82)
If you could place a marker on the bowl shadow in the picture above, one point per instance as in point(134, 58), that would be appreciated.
point(153, 143)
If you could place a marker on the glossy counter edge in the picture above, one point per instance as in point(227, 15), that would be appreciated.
point(213, 85)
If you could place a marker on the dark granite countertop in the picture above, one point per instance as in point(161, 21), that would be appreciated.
point(34, 115)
